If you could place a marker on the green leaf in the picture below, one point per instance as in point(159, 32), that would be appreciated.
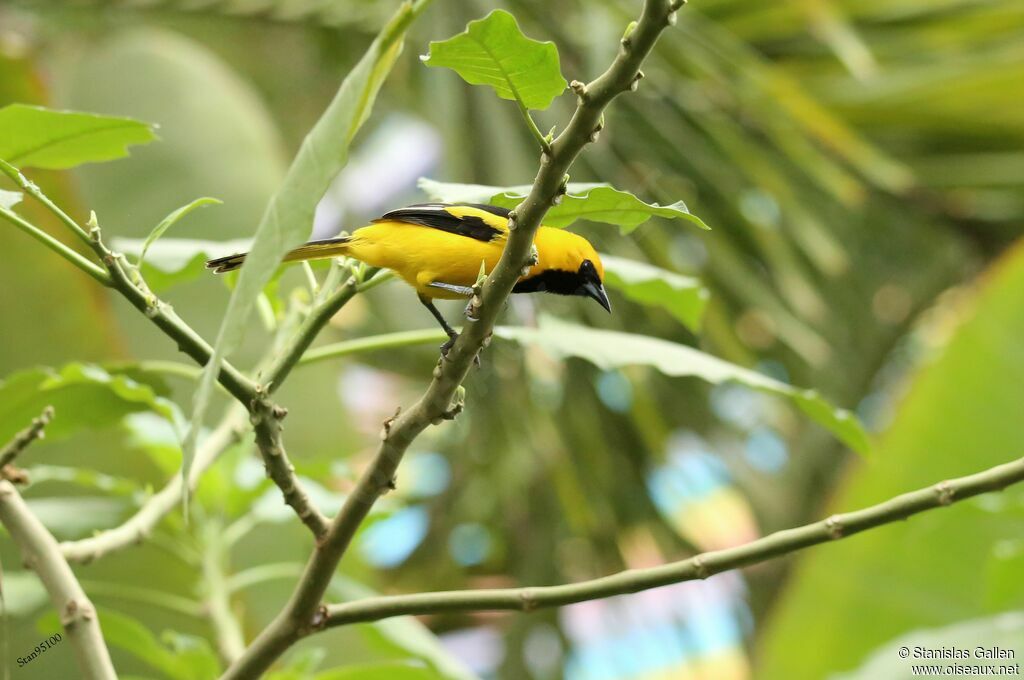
point(84, 396)
point(23, 594)
point(196, 659)
point(9, 199)
point(1002, 573)
point(959, 413)
point(85, 477)
point(288, 219)
point(188, 658)
point(167, 222)
point(615, 349)
point(70, 517)
point(172, 261)
point(608, 205)
point(493, 51)
point(37, 137)
point(682, 296)
point(448, 192)
point(583, 201)
point(300, 664)
point(1003, 632)
point(394, 670)
point(404, 635)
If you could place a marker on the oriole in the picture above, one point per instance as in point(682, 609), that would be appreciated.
point(437, 249)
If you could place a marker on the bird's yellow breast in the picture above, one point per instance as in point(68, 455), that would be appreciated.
point(424, 255)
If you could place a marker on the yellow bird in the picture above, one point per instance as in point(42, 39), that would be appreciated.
point(437, 249)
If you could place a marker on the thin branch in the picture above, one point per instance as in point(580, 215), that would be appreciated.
point(147, 597)
point(373, 343)
point(164, 317)
point(123, 277)
point(41, 553)
point(55, 245)
point(302, 612)
point(35, 192)
point(531, 124)
point(140, 525)
point(20, 442)
point(701, 566)
point(266, 422)
point(226, 627)
point(310, 328)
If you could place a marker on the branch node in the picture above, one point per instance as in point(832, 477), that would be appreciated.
point(834, 527)
point(472, 311)
point(534, 256)
point(700, 569)
point(581, 91)
point(627, 39)
point(386, 430)
point(75, 611)
point(563, 186)
point(512, 217)
point(455, 407)
point(528, 597)
point(945, 491)
point(14, 475)
point(635, 83)
point(319, 618)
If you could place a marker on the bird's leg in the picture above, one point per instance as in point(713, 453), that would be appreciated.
point(452, 333)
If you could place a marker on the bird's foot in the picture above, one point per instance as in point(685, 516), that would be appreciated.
point(449, 343)
point(447, 347)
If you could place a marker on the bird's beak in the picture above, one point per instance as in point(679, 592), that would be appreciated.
point(596, 291)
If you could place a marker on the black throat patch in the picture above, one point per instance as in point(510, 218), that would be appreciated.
point(555, 281)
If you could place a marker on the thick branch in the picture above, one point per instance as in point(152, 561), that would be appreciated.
point(136, 528)
point(300, 614)
point(42, 554)
point(699, 567)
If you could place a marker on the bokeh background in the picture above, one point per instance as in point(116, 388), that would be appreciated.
point(861, 166)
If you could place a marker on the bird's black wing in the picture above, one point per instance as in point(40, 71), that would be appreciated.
point(472, 220)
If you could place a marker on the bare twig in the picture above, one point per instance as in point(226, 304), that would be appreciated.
point(226, 627)
point(136, 528)
point(41, 553)
point(701, 566)
point(302, 614)
point(20, 442)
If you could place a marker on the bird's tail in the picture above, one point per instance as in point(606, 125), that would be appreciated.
point(314, 250)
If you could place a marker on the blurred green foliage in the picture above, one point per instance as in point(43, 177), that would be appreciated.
point(855, 159)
